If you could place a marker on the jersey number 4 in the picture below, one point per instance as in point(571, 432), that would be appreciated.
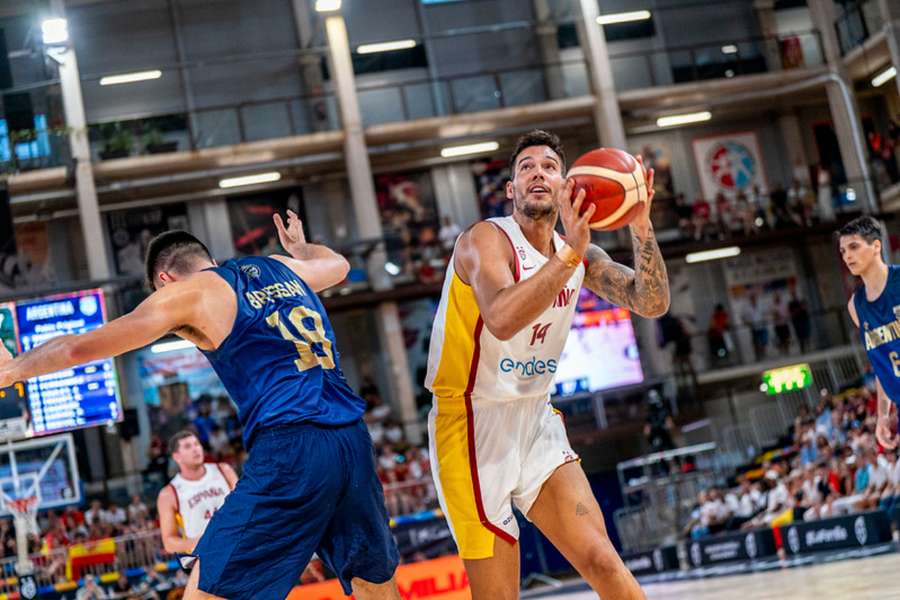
point(312, 344)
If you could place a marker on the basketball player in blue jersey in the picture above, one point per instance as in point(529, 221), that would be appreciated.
point(875, 309)
point(309, 483)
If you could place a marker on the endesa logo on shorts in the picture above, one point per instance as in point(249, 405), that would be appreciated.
point(531, 368)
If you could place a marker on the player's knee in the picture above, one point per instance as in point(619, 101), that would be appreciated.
point(601, 560)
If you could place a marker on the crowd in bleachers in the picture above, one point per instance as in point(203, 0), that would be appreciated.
point(832, 465)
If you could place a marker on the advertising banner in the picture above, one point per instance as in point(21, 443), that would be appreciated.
point(443, 578)
point(853, 531)
point(719, 549)
point(652, 562)
point(729, 163)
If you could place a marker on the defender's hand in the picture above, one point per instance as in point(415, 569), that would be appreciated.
point(641, 223)
point(577, 228)
point(291, 236)
point(883, 432)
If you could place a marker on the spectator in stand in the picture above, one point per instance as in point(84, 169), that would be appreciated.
point(780, 214)
point(219, 443)
point(116, 515)
point(448, 233)
point(723, 215)
point(780, 317)
point(96, 514)
point(755, 317)
point(716, 335)
point(701, 216)
point(800, 320)
point(891, 494)
point(121, 589)
point(137, 510)
point(91, 590)
point(204, 421)
point(879, 477)
point(684, 211)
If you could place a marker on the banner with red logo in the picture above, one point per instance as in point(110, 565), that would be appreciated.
point(730, 164)
point(442, 578)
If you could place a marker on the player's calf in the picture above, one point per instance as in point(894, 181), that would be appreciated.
point(364, 590)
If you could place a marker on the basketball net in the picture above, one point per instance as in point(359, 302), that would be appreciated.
point(24, 511)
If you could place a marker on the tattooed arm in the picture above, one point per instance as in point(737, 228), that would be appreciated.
point(644, 289)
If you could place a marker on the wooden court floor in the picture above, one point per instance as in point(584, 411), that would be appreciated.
point(876, 578)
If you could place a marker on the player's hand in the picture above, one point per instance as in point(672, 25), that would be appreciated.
point(883, 433)
point(578, 228)
point(641, 223)
point(291, 236)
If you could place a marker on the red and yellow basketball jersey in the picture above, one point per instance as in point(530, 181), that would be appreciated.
point(465, 359)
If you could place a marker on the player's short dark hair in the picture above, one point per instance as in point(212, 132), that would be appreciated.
point(172, 250)
point(175, 440)
point(537, 137)
point(866, 227)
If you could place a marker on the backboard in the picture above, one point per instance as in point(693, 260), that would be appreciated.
point(44, 467)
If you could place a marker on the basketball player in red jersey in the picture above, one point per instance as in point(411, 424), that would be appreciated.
point(189, 501)
point(505, 312)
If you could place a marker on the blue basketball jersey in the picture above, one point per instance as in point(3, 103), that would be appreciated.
point(279, 363)
point(879, 326)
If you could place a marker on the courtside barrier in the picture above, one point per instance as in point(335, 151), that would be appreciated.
point(652, 562)
point(748, 545)
point(853, 531)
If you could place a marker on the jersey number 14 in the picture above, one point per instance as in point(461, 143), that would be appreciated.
point(312, 344)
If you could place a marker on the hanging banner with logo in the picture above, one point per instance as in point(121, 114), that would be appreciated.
point(719, 549)
point(853, 531)
point(252, 229)
point(729, 164)
point(652, 562)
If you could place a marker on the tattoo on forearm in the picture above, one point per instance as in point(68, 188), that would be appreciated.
point(644, 289)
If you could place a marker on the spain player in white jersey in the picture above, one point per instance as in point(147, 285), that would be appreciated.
point(189, 501)
point(506, 309)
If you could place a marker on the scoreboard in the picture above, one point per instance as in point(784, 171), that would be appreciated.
point(82, 396)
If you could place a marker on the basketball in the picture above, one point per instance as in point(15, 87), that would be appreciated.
point(613, 181)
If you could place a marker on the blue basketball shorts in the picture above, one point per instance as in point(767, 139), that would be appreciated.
point(305, 488)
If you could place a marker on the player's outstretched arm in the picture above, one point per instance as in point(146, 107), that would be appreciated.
point(165, 310)
point(644, 289)
point(319, 266)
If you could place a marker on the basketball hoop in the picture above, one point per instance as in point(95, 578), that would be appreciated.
point(24, 511)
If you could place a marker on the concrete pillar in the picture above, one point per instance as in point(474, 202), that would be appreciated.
point(844, 110)
point(310, 68)
point(456, 194)
point(403, 398)
point(607, 118)
point(88, 208)
point(548, 43)
point(356, 154)
point(368, 221)
point(789, 125)
point(765, 16)
point(890, 12)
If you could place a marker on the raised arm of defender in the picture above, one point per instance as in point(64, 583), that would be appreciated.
point(485, 260)
point(319, 266)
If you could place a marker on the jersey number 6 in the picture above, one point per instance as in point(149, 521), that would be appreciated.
point(309, 357)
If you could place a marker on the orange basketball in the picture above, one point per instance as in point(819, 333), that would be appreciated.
point(614, 183)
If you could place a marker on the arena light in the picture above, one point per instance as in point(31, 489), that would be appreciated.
point(623, 17)
point(386, 46)
point(729, 49)
point(130, 77)
point(392, 269)
point(171, 346)
point(675, 120)
point(328, 5)
point(55, 31)
point(250, 179)
point(451, 151)
point(884, 76)
point(728, 252)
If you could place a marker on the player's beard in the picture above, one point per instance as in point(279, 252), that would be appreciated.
point(537, 211)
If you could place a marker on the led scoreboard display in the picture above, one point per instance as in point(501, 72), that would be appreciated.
point(79, 397)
